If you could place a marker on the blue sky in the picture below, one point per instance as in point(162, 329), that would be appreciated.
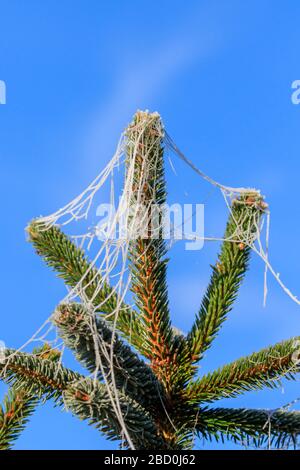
point(220, 74)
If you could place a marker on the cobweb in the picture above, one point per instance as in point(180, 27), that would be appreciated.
point(110, 241)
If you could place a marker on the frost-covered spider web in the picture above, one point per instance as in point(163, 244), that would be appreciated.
point(109, 243)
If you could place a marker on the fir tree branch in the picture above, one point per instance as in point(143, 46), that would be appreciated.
point(147, 252)
point(86, 398)
point(227, 274)
point(254, 372)
point(19, 404)
point(157, 404)
point(37, 375)
point(91, 403)
point(17, 408)
point(252, 427)
point(92, 341)
point(69, 261)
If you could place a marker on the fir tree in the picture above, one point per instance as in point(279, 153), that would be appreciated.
point(163, 400)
